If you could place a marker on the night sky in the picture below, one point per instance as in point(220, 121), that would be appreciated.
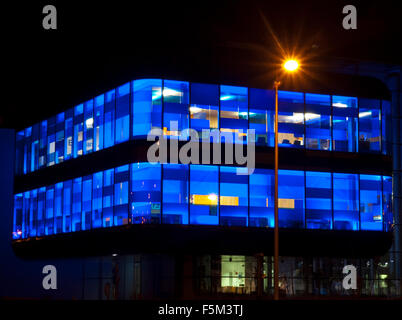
point(101, 45)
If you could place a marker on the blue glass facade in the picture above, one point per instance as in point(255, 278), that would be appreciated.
point(141, 193)
point(306, 120)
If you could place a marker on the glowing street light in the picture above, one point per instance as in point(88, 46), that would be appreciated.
point(291, 65)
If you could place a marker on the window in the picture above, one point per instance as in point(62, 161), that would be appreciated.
point(291, 198)
point(344, 123)
point(121, 177)
point(43, 144)
point(86, 203)
point(318, 121)
point(204, 195)
point(123, 113)
point(386, 127)
point(145, 195)
point(262, 184)
point(98, 122)
point(387, 203)
point(76, 205)
point(59, 154)
point(369, 125)
point(234, 112)
point(97, 200)
point(27, 150)
point(25, 215)
point(262, 116)
point(78, 130)
point(51, 142)
point(41, 211)
point(346, 201)
point(147, 106)
point(291, 119)
point(67, 197)
point(88, 126)
point(108, 186)
point(18, 208)
point(49, 223)
point(69, 131)
point(176, 107)
point(233, 272)
point(19, 152)
point(204, 107)
point(370, 202)
point(233, 197)
point(109, 114)
point(175, 194)
point(33, 212)
point(318, 200)
point(35, 147)
point(58, 208)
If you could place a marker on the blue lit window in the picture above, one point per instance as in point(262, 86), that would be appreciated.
point(27, 150)
point(109, 113)
point(204, 107)
point(98, 122)
point(25, 215)
point(108, 186)
point(76, 205)
point(19, 155)
point(318, 121)
point(369, 125)
point(233, 197)
point(234, 112)
point(386, 127)
point(346, 201)
point(59, 155)
point(370, 202)
point(121, 177)
point(88, 126)
point(35, 147)
point(49, 222)
point(51, 141)
point(145, 195)
point(17, 224)
point(387, 202)
point(78, 143)
point(33, 213)
point(41, 211)
point(318, 200)
point(43, 144)
point(67, 201)
point(262, 184)
point(176, 107)
point(262, 116)
point(86, 203)
point(175, 194)
point(344, 123)
point(69, 131)
point(123, 113)
point(147, 106)
point(290, 119)
point(291, 199)
point(97, 200)
point(58, 208)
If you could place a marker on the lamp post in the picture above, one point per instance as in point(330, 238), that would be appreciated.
point(290, 65)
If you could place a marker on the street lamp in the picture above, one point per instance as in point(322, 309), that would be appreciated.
point(289, 66)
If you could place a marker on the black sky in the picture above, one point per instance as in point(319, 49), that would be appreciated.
point(100, 45)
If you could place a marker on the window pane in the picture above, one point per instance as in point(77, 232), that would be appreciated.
point(369, 125)
point(346, 201)
point(318, 200)
point(233, 197)
point(59, 155)
point(291, 199)
point(67, 195)
point(262, 116)
point(145, 193)
point(291, 119)
point(123, 113)
point(318, 121)
point(175, 194)
point(33, 213)
point(204, 190)
point(109, 118)
point(147, 106)
point(386, 127)
point(387, 202)
point(77, 205)
point(49, 225)
point(176, 105)
point(98, 125)
point(27, 150)
point(69, 131)
point(121, 176)
point(370, 202)
point(78, 130)
point(58, 208)
point(262, 184)
point(51, 141)
point(18, 207)
point(88, 126)
point(41, 211)
point(86, 202)
point(204, 107)
point(25, 216)
point(344, 123)
point(97, 200)
point(19, 152)
point(234, 112)
point(108, 186)
point(35, 147)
